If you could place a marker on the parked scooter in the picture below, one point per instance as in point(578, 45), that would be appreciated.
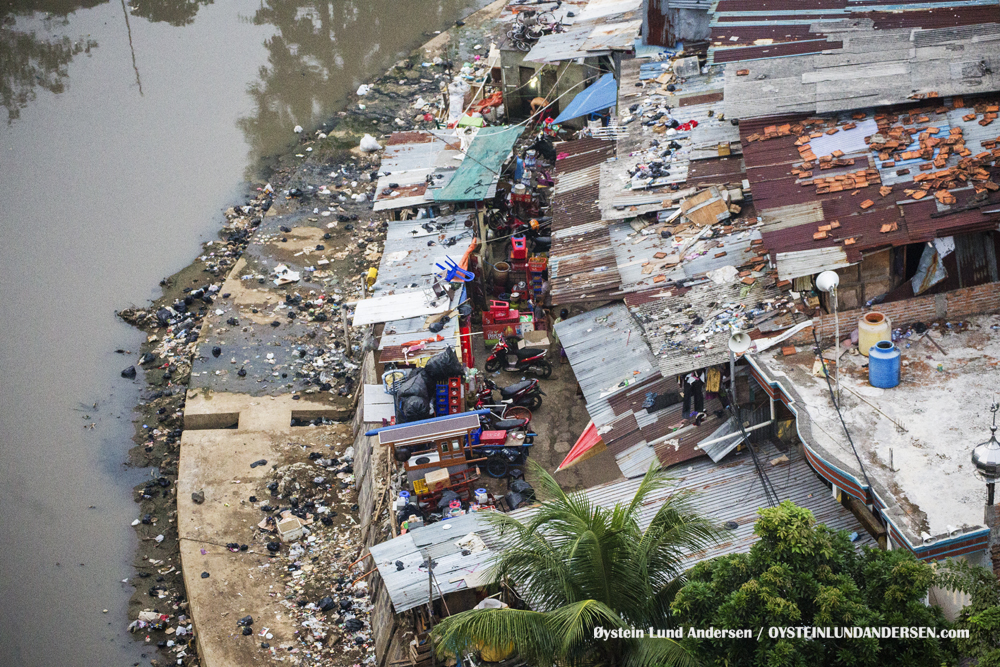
point(527, 394)
point(529, 359)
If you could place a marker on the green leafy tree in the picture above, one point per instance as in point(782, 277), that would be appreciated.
point(981, 617)
point(582, 567)
point(800, 574)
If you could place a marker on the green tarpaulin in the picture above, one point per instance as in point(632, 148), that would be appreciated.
point(481, 167)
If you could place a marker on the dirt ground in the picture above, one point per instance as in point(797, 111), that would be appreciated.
point(558, 423)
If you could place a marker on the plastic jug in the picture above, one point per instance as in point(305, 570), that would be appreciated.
point(872, 328)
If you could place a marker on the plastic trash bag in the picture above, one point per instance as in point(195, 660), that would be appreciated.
point(444, 365)
point(369, 144)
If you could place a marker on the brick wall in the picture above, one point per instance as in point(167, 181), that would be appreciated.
point(956, 304)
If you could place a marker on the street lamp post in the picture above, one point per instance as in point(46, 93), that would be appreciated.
point(827, 282)
point(986, 458)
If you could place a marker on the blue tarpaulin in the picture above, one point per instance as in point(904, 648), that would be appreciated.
point(597, 97)
point(480, 169)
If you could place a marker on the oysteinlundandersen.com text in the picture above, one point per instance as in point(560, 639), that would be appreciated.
point(779, 632)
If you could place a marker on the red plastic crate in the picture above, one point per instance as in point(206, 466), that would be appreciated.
point(518, 247)
point(499, 309)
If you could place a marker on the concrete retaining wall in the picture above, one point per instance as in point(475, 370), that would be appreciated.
point(371, 480)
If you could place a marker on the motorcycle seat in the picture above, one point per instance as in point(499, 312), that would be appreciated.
point(508, 392)
point(528, 352)
point(507, 424)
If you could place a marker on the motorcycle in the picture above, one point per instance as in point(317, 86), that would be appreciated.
point(526, 394)
point(529, 359)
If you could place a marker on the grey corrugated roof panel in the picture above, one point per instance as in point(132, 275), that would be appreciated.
point(810, 262)
point(576, 179)
point(874, 68)
point(732, 491)
point(618, 36)
point(409, 158)
point(718, 450)
point(414, 329)
point(607, 351)
point(561, 45)
point(735, 245)
point(604, 10)
point(636, 460)
point(408, 262)
point(619, 200)
point(408, 588)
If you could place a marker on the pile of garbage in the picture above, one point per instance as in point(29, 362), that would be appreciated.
point(323, 594)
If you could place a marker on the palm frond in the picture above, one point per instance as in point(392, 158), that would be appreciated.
point(528, 631)
point(655, 652)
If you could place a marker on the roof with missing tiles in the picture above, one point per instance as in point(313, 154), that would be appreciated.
point(822, 182)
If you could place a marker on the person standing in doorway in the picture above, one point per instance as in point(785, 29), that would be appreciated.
point(694, 391)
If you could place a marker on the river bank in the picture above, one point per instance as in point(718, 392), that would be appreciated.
point(324, 184)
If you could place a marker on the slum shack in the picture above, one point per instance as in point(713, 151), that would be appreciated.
point(440, 569)
point(437, 456)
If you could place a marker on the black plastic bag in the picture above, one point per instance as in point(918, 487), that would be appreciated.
point(444, 365)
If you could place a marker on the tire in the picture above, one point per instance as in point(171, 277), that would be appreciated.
point(522, 45)
point(544, 370)
point(534, 403)
point(546, 18)
point(497, 467)
point(492, 365)
point(495, 222)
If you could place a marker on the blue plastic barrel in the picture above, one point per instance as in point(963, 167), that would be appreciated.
point(883, 365)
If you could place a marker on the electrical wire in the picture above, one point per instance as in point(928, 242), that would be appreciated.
point(829, 387)
point(769, 492)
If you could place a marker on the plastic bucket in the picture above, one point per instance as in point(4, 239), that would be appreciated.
point(501, 274)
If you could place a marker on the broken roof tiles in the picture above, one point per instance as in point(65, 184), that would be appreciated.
point(931, 148)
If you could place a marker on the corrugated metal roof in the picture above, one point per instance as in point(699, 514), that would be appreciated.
point(559, 46)
point(413, 248)
point(392, 306)
point(689, 328)
point(398, 332)
point(793, 206)
point(872, 67)
point(581, 261)
point(409, 587)
point(732, 491)
point(409, 159)
point(742, 30)
point(617, 375)
point(696, 99)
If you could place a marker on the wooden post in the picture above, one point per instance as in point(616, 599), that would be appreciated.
point(347, 334)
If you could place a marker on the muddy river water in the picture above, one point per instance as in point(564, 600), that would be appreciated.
point(125, 131)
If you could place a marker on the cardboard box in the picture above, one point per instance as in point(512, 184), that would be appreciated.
point(437, 479)
point(534, 339)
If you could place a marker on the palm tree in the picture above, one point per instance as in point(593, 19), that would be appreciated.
point(581, 567)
